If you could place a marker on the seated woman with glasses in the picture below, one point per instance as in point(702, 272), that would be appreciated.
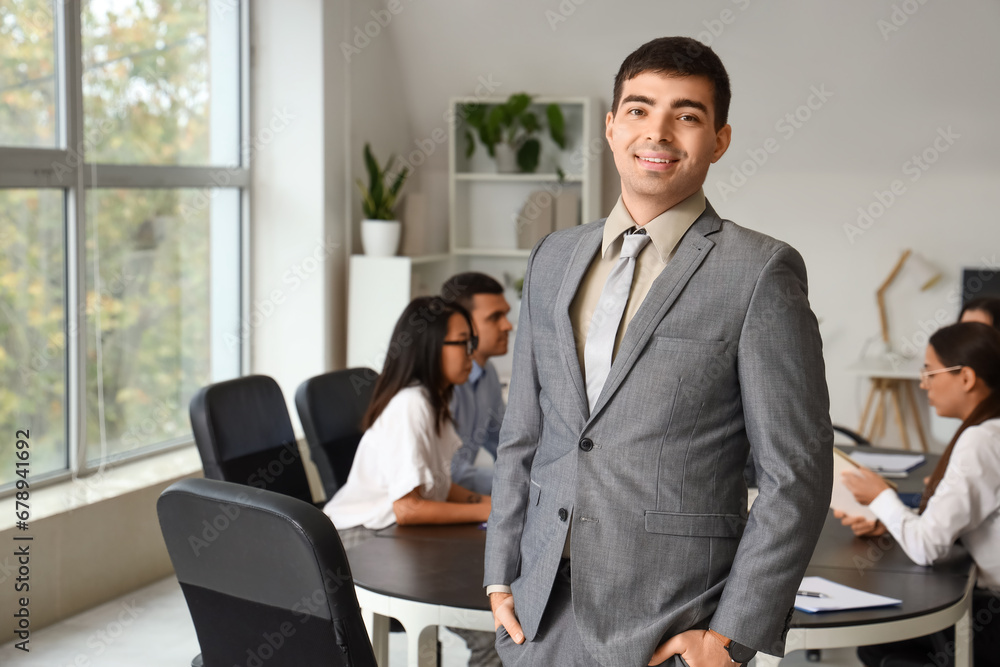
point(402, 469)
point(961, 500)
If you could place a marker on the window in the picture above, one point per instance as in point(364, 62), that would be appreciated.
point(32, 327)
point(28, 92)
point(122, 210)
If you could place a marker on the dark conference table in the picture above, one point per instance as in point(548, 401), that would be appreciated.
point(427, 576)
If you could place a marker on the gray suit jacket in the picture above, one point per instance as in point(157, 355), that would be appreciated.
point(723, 354)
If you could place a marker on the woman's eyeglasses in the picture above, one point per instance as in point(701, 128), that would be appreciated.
point(926, 374)
point(470, 345)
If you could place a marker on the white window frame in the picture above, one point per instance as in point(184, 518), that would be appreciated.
point(34, 168)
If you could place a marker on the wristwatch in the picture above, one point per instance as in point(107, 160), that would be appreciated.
point(738, 652)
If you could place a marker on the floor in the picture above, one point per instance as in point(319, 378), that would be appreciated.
point(152, 628)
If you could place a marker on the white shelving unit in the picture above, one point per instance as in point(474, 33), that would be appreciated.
point(483, 210)
point(484, 205)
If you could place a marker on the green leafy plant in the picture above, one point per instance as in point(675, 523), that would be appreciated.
point(513, 123)
point(378, 200)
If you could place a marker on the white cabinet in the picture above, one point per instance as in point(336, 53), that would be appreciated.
point(380, 288)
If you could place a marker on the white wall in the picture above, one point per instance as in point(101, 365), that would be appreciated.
point(894, 80)
point(887, 89)
point(304, 201)
point(298, 236)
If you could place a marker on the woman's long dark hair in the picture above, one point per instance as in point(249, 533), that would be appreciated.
point(977, 346)
point(414, 357)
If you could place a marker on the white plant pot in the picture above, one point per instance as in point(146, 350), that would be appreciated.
point(506, 157)
point(380, 238)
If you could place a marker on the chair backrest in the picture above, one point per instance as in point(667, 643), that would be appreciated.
point(265, 577)
point(245, 436)
point(330, 408)
point(858, 439)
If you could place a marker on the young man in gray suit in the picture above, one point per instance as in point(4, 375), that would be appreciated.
point(654, 349)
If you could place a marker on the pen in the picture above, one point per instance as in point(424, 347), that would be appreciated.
point(812, 594)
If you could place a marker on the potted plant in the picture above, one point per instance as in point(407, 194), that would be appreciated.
point(507, 131)
point(380, 230)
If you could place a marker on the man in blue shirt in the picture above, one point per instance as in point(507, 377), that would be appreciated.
point(477, 406)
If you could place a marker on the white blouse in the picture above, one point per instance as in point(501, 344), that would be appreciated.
point(400, 452)
point(965, 507)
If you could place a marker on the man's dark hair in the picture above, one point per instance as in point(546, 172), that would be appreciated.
point(987, 304)
point(678, 56)
point(463, 286)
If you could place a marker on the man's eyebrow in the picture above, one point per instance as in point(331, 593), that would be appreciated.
point(693, 104)
point(641, 99)
point(680, 103)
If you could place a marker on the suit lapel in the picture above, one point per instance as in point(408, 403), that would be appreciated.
point(586, 248)
point(691, 252)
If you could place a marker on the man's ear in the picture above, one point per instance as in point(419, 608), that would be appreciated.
point(722, 139)
point(609, 122)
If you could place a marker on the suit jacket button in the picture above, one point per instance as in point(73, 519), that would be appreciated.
point(563, 514)
point(586, 444)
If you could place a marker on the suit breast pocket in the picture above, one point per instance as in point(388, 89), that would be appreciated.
point(684, 346)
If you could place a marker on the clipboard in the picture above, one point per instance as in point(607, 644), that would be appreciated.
point(892, 484)
point(842, 499)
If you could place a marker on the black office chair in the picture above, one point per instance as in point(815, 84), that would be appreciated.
point(858, 439)
point(244, 435)
point(330, 408)
point(264, 575)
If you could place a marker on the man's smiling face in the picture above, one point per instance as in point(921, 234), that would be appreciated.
point(663, 138)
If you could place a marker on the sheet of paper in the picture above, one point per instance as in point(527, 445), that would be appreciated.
point(882, 463)
point(842, 499)
point(837, 597)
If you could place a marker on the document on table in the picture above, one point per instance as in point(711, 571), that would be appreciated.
point(830, 596)
point(842, 499)
point(889, 463)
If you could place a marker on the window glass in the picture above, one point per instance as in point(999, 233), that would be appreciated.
point(161, 82)
point(32, 329)
point(28, 81)
point(151, 300)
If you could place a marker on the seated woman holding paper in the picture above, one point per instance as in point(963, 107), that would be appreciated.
point(961, 500)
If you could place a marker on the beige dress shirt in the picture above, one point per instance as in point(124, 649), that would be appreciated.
point(665, 232)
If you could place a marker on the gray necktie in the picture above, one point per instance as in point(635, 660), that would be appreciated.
point(607, 316)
